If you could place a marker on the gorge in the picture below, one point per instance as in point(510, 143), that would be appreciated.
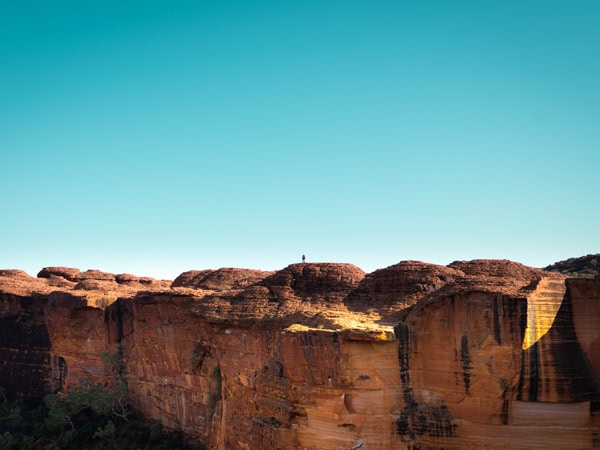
point(477, 354)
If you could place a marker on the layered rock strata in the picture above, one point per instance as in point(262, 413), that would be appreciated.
point(478, 354)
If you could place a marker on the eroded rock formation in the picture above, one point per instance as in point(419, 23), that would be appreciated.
point(478, 354)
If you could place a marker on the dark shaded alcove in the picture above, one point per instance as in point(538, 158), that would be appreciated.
point(59, 373)
point(24, 354)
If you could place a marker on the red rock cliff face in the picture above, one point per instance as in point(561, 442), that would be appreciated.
point(24, 342)
point(479, 354)
point(258, 386)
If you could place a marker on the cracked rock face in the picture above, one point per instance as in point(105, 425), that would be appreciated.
point(477, 354)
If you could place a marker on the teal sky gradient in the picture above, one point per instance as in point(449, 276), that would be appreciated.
point(160, 136)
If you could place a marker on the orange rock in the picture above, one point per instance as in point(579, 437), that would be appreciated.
point(479, 354)
point(68, 273)
point(222, 279)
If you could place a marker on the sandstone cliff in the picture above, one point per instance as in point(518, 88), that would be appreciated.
point(478, 354)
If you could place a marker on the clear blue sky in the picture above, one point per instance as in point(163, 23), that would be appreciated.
point(154, 137)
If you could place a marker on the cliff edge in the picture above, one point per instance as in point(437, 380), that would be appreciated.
point(476, 354)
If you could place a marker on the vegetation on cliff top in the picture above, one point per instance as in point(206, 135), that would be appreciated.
point(583, 267)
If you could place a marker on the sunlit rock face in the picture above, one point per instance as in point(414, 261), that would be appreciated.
point(470, 356)
point(479, 354)
point(259, 386)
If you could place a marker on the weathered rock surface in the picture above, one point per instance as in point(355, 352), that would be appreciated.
point(221, 279)
point(478, 354)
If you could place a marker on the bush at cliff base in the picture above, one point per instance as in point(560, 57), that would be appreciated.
point(93, 417)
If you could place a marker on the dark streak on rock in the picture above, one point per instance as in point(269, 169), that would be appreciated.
point(497, 329)
point(416, 419)
point(466, 362)
point(504, 413)
point(567, 370)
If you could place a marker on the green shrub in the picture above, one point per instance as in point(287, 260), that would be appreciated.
point(93, 417)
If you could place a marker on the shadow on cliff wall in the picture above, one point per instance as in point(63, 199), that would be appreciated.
point(556, 368)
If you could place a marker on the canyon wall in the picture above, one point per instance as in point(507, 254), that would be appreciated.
point(478, 354)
